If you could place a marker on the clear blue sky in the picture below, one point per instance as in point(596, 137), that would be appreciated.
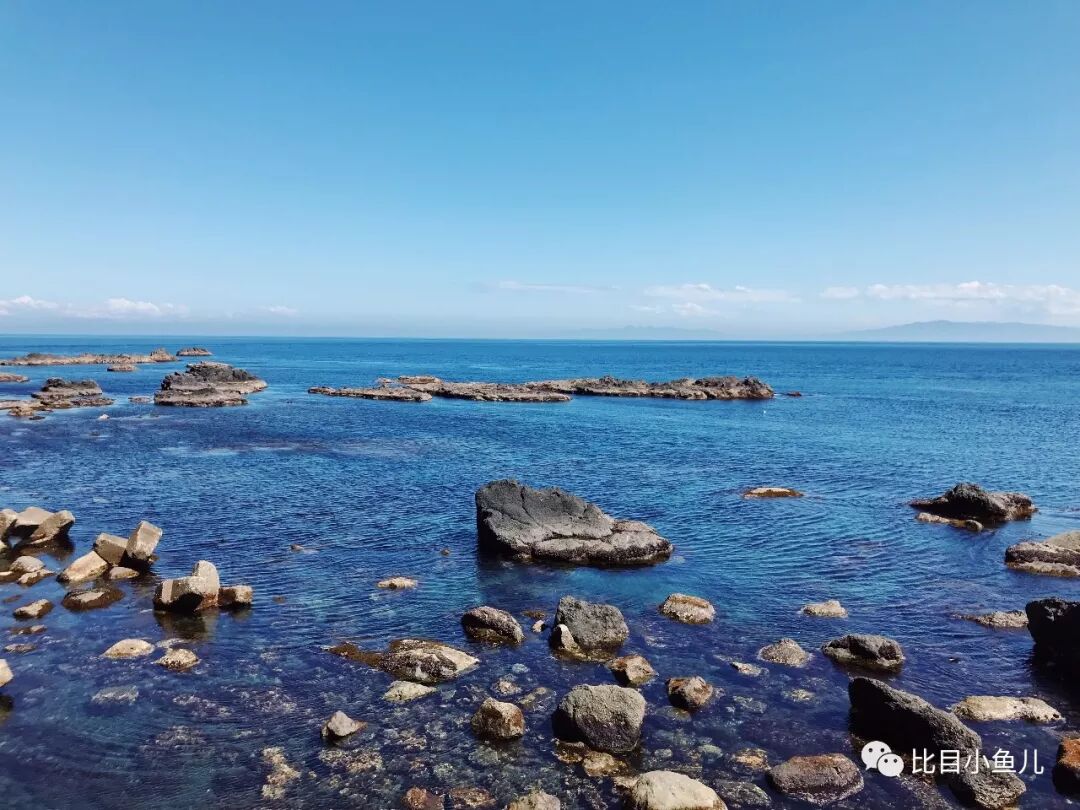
point(512, 168)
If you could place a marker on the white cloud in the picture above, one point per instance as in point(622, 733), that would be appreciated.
point(1050, 299)
point(707, 292)
point(283, 311)
point(840, 293)
point(691, 309)
point(572, 289)
point(25, 303)
point(126, 308)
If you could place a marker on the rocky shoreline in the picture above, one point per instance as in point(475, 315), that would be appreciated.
point(596, 724)
point(87, 359)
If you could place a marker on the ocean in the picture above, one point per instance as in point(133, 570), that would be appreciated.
point(375, 489)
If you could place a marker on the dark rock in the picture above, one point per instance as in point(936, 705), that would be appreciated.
point(606, 718)
point(194, 351)
point(683, 388)
point(1054, 625)
point(1067, 768)
point(866, 651)
point(396, 393)
point(492, 625)
point(594, 627)
point(738, 795)
point(550, 525)
point(972, 502)
point(818, 780)
point(906, 722)
point(59, 393)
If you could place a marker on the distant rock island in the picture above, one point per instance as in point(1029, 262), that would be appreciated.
point(969, 332)
point(87, 359)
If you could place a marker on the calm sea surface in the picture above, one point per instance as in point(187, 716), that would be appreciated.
point(376, 489)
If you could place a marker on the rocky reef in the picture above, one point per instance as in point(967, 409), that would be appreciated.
point(1057, 556)
point(550, 525)
point(208, 385)
point(87, 359)
point(383, 391)
point(970, 502)
point(480, 391)
point(193, 351)
point(683, 388)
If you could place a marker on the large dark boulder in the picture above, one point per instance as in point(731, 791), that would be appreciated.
point(972, 502)
point(908, 723)
point(1054, 625)
point(550, 525)
point(593, 626)
point(208, 385)
point(605, 718)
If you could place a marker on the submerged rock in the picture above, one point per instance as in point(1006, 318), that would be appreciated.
point(742, 794)
point(819, 780)
point(689, 693)
point(1057, 556)
point(110, 547)
point(596, 629)
point(496, 720)
point(688, 609)
point(421, 660)
point(999, 619)
point(208, 385)
point(906, 722)
point(866, 651)
point(535, 801)
point(786, 651)
point(190, 594)
point(340, 725)
point(281, 775)
point(397, 584)
point(987, 708)
point(605, 718)
point(550, 525)
point(405, 691)
point(129, 648)
point(667, 790)
point(772, 492)
point(829, 609)
point(632, 670)
point(956, 523)
point(91, 599)
point(178, 660)
point(116, 694)
point(972, 502)
point(492, 625)
point(34, 610)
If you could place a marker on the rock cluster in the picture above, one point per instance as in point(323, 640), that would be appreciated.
point(966, 502)
point(906, 722)
point(208, 385)
point(87, 359)
point(479, 391)
point(1057, 556)
point(34, 526)
point(550, 525)
point(134, 552)
point(200, 590)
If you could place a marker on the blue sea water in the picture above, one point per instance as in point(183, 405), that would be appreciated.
point(373, 489)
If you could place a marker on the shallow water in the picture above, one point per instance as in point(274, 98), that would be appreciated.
point(374, 489)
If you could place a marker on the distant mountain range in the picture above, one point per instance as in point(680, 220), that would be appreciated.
point(969, 332)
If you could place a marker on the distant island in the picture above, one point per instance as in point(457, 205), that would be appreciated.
point(969, 332)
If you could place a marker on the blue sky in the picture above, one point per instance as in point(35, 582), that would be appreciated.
point(525, 169)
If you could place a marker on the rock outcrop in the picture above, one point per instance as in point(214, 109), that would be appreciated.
point(57, 394)
point(550, 525)
point(688, 609)
point(829, 609)
point(972, 502)
point(384, 391)
point(605, 718)
point(1057, 556)
point(9, 377)
point(772, 492)
point(208, 385)
point(667, 790)
point(492, 625)
point(683, 388)
point(818, 780)
point(906, 722)
point(86, 359)
point(538, 800)
point(877, 653)
point(479, 391)
point(193, 351)
point(999, 619)
point(1067, 768)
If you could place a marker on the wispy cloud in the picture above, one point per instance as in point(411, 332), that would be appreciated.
point(707, 292)
point(110, 309)
point(25, 303)
point(283, 311)
point(1051, 299)
point(566, 289)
